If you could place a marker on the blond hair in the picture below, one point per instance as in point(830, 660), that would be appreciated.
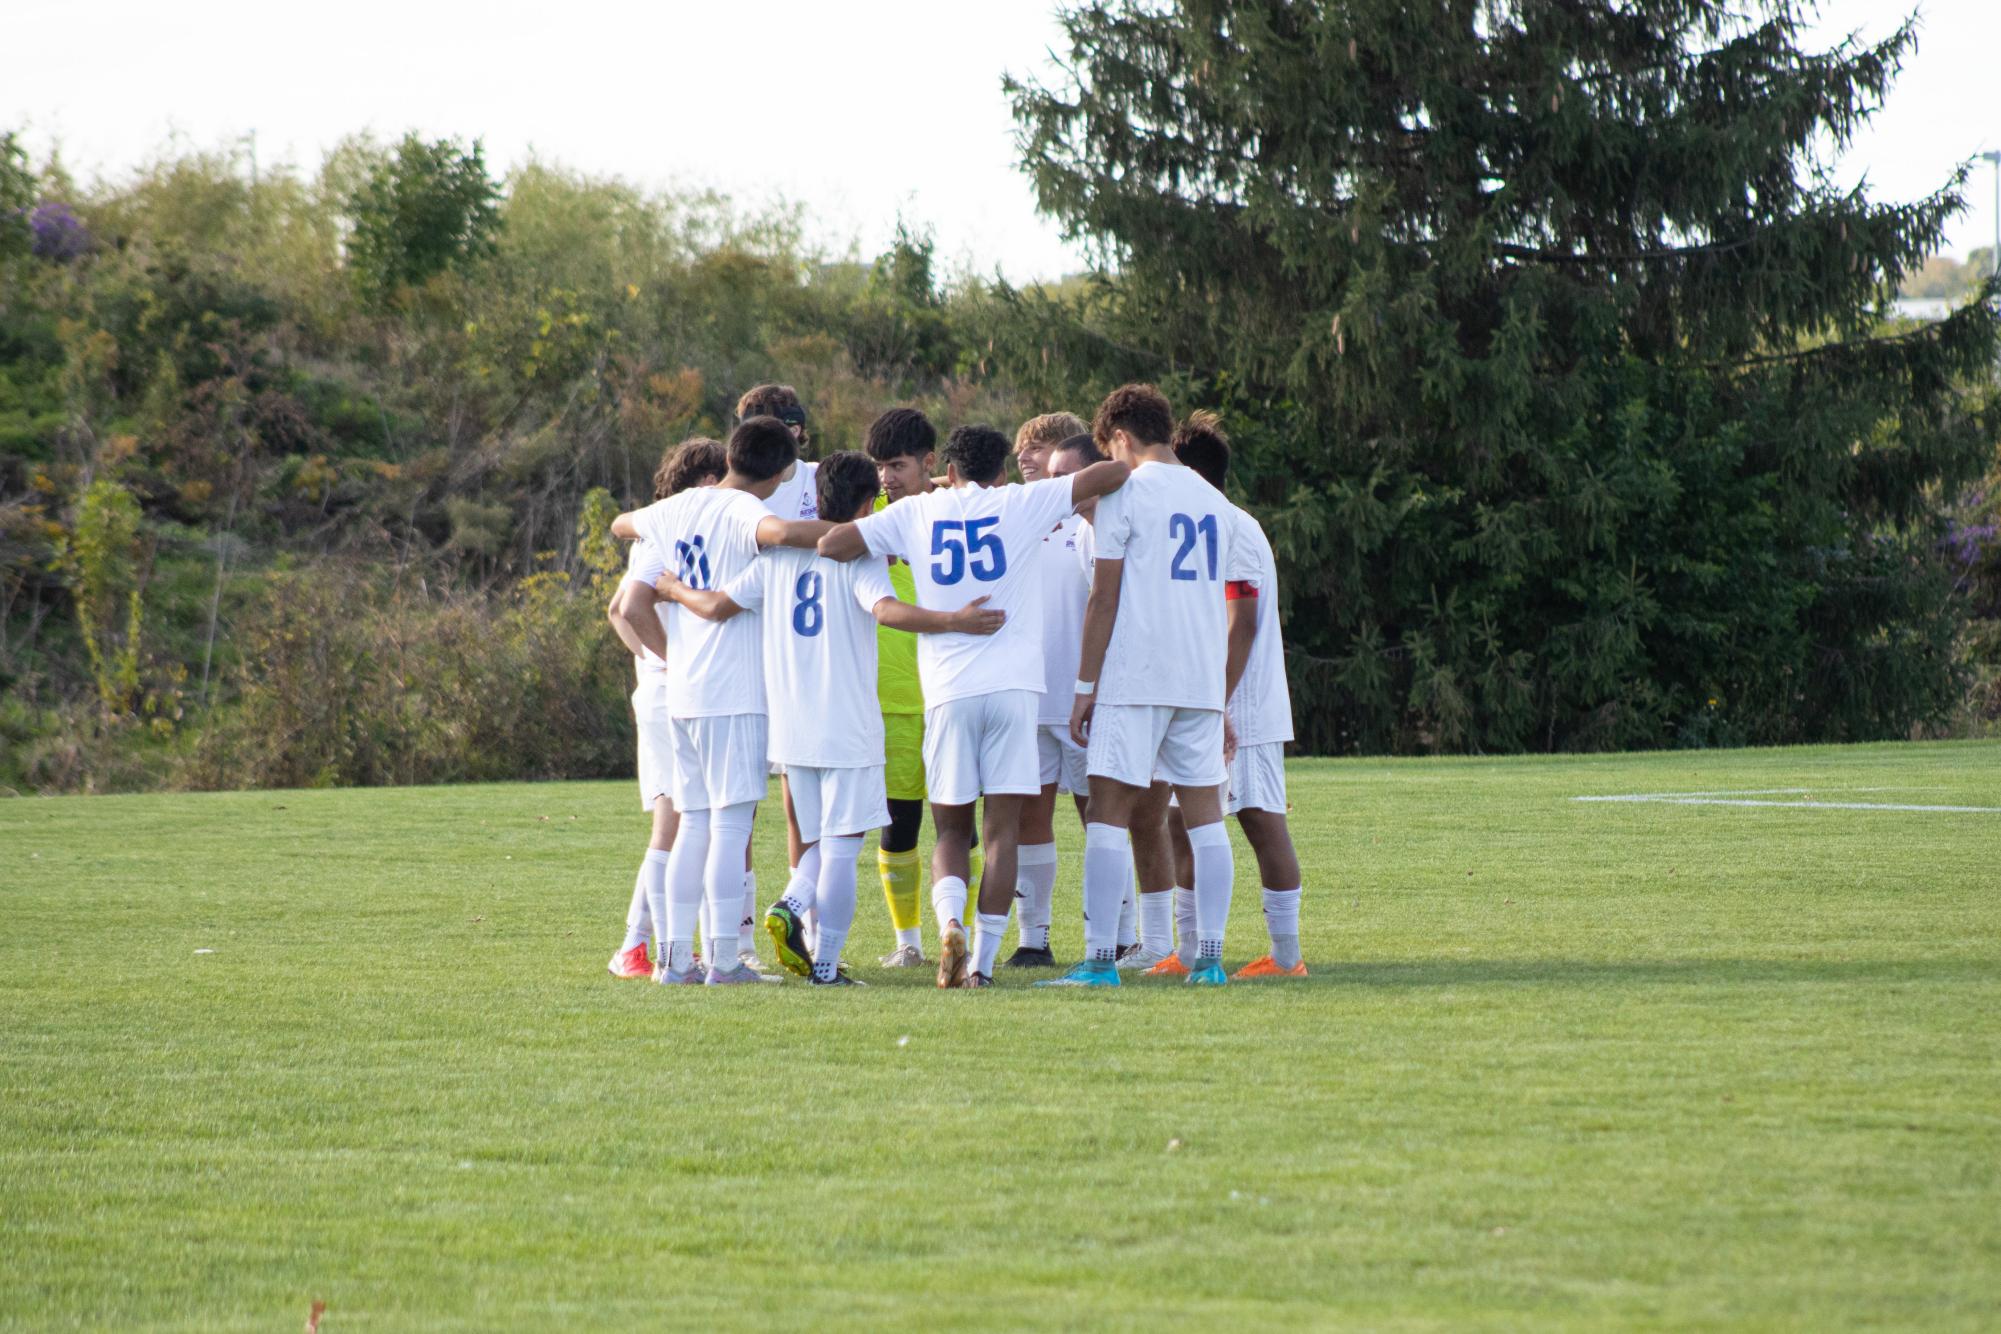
point(1051, 428)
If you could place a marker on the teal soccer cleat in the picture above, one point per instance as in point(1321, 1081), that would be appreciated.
point(1208, 973)
point(1086, 974)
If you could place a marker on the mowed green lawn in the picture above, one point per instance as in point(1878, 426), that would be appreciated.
point(1559, 1064)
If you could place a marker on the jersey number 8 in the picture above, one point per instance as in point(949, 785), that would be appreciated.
point(967, 545)
point(808, 615)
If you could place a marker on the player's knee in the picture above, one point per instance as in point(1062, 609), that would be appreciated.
point(906, 821)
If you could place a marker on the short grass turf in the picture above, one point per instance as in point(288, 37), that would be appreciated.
point(1559, 1064)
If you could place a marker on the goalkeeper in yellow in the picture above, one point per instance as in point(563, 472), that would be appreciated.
point(902, 442)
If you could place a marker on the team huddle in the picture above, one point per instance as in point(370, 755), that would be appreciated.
point(887, 639)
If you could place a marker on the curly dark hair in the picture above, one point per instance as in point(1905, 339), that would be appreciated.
point(1140, 410)
point(979, 452)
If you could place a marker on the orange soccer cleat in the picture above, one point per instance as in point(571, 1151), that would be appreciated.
point(1171, 966)
point(1266, 966)
point(630, 963)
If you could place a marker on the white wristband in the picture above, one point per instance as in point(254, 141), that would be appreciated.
point(1087, 687)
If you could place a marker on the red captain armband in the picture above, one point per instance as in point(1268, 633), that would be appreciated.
point(1239, 588)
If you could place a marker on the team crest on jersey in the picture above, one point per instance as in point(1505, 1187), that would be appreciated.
point(693, 560)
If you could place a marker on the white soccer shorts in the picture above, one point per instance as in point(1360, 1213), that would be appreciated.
point(656, 740)
point(719, 761)
point(1061, 758)
point(1139, 744)
point(981, 744)
point(832, 802)
point(1257, 779)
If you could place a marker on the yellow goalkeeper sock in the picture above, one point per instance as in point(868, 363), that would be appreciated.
point(977, 861)
point(902, 883)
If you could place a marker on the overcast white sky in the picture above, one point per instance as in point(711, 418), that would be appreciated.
point(862, 110)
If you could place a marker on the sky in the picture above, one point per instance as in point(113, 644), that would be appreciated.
point(862, 112)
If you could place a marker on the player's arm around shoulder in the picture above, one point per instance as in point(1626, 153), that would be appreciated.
point(711, 604)
point(850, 541)
point(975, 618)
point(1100, 479)
point(805, 534)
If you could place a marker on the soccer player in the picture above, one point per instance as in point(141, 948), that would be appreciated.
point(793, 499)
point(1066, 583)
point(1146, 922)
point(715, 694)
point(1260, 710)
point(903, 444)
point(795, 494)
point(641, 624)
point(976, 537)
point(818, 621)
point(1171, 595)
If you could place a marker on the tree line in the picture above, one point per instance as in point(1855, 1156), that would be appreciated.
point(1568, 391)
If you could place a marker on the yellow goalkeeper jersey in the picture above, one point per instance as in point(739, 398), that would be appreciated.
point(896, 684)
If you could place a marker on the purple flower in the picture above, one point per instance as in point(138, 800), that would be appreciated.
point(1966, 541)
point(59, 236)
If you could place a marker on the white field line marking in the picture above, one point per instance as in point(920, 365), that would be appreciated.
point(1739, 798)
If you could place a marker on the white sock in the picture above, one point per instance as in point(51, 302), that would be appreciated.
point(1035, 886)
point(913, 936)
point(1108, 865)
point(1129, 910)
point(988, 929)
point(1215, 880)
point(747, 928)
point(804, 887)
point(1184, 924)
point(827, 954)
point(729, 835)
point(639, 916)
point(1156, 923)
point(684, 885)
point(834, 897)
point(948, 901)
point(1282, 925)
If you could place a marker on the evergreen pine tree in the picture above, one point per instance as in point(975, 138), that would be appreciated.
point(1556, 362)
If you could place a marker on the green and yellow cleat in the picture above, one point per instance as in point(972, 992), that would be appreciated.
point(788, 937)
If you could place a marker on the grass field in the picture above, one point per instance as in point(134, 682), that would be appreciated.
point(1560, 1064)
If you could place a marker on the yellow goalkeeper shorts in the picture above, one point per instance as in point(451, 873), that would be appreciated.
point(903, 747)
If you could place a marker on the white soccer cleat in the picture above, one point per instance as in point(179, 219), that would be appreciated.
point(1139, 960)
point(904, 956)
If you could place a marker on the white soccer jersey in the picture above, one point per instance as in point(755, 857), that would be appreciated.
point(644, 566)
point(817, 625)
point(1177, 538)
point(1066, 586)
point(967, 542)
point(1261, 709)
point(708, 536)
point(798, 496)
